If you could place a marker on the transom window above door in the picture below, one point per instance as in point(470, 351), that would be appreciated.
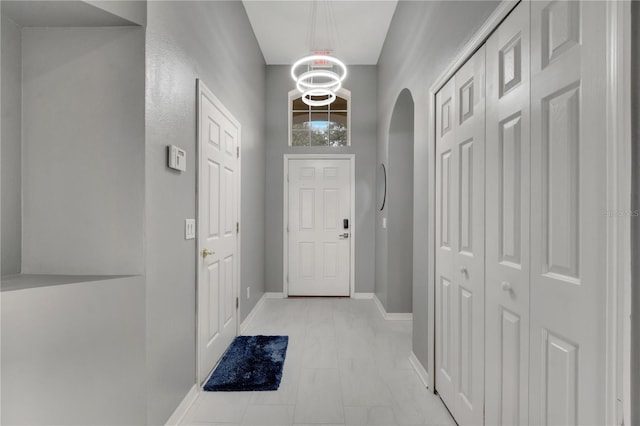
point(320, 126)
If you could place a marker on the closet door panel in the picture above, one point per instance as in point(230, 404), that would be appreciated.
point(460, 241)
point(568, 224)
point(507, 221)
point(446, 245)
point(469, 222)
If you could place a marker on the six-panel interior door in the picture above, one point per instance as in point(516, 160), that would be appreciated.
point(218, 190)
point(507, 221)
point(319, 244)
point(568, 238)
point(460, 132)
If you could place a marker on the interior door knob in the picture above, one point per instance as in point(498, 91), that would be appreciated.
point(206, 253)
point(464, 271)
point(506, 286)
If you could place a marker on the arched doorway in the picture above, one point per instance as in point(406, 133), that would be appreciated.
point(400, 206)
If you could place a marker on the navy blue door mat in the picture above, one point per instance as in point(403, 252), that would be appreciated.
point(252, 363)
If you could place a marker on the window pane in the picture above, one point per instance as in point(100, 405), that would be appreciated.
point(319, 128)
point(338, 129)
point(299, 138)
point(319, 138)
point(300, 120)
point(338, 137)
point(319, 119)
point(298, 105)
point(340, 104)
point(339, 118)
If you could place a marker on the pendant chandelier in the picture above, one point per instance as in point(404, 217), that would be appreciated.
point(319, 76)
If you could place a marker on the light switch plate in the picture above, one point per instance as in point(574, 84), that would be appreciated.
point(177, 158)
point(189, 229)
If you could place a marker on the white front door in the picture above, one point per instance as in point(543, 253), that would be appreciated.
point(507, 220)
point(218, 196)
point(319, 227)
point(460, 132)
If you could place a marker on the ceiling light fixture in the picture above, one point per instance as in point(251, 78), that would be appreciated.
point(310, 97)
point(319, 76)
point(314, 79)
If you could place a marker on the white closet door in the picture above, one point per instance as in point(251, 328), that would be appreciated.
point(507, 221)
point(568, 178)
point(460, 242)
point(446, 203)
point(469, 254)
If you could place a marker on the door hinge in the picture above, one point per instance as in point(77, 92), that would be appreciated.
point(237, 151)
point(287, 177)
point(237, 303)
point(287, 278)
point(237, 227)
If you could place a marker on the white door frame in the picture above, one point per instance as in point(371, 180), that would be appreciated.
point(618, 124)
point(202, 88)
point(285, 216)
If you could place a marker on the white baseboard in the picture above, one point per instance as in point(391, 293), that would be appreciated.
point(398, 316)
point(378, 303)
point(274, 295)
point(422, 373)
point(391, 316)
point(362, 296)
point(182, 409)
point(252, 314)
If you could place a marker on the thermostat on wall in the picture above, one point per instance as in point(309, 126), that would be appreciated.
point(177, 158)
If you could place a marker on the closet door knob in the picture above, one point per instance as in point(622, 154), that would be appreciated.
point(506, 286)
point(463, 270)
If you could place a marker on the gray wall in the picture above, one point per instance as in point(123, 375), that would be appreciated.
point(188, 40)
point(424, 37)
point(635, 221)
point(362, 84)
point(11, 147)
point(399, 208)
point(74, 354)
point(83, 150)
point(1, 203)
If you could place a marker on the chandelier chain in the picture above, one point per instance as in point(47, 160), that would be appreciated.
point(324, 73)
point(312, 24)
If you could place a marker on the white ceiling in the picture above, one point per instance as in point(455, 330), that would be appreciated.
point(355, 33)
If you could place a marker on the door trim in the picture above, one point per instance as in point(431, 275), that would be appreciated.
point(619, 187)
point(618, 140)
point(201, 88)
point(285, 215)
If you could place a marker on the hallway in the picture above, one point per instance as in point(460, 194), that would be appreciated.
point(345, 365)
point(173, 171)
